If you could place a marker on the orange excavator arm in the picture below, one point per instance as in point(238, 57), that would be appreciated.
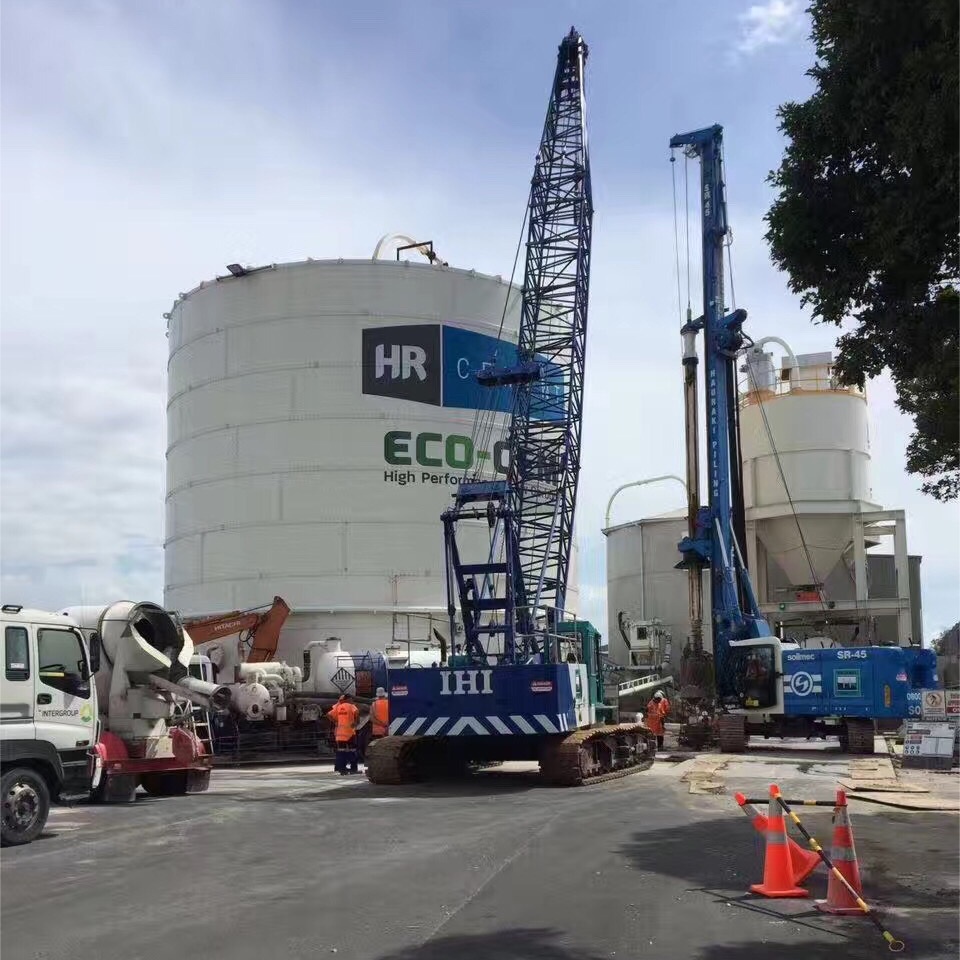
point(266, 635)
point(263, 629)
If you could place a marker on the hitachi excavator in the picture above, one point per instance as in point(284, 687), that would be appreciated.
point(258, 630)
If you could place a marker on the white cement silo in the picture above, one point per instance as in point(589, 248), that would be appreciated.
point(319, 417)
point(807, 429)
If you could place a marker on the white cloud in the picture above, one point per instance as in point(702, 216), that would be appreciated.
point(769, 24)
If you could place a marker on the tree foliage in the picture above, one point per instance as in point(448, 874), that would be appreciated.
point(866, 220)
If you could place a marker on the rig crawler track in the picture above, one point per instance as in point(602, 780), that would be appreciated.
point(582, 758)
point(597, 754)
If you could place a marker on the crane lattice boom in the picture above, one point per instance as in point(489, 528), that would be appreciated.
point(533, 510)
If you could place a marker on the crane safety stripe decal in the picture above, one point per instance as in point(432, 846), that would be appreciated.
point(499, 725)
point(546, 723)
point(481, 726)
point(461, 725)
point(522, 724)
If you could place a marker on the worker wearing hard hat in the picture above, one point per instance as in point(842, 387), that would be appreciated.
point(657, 710)
point(344, 716)
point(380, 714)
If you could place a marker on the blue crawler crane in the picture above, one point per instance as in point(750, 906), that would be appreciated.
point(760, 684)
point(525, 683)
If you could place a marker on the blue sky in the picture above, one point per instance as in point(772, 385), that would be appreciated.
point(144, 145)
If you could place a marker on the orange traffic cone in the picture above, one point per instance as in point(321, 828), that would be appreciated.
point(803, 862)
point(844, 857)
point(777, 866)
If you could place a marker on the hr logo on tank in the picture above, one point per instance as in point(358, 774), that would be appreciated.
point(403, 362)
point(438, 364)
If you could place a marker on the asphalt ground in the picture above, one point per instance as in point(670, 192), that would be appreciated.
point(299, 863)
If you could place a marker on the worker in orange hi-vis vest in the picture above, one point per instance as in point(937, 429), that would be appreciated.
point(657, 710)
point(344, 716)
point(380, 714)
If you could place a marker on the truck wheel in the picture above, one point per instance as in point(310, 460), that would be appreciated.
point(732, 733)
point(26, 805)
point(168, 784)
point(859, 736)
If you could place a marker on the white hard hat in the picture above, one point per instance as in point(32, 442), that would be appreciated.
point(381, 692)
point(658, 695)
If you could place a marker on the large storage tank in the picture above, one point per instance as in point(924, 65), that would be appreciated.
point(821, 446)
point(320, 415)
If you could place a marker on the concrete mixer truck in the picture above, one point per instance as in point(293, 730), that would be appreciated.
point(145, 697)
point(96, 701)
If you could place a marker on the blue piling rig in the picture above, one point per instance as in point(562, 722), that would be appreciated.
point(715, 530)
point(525, 684)
point(762, 685)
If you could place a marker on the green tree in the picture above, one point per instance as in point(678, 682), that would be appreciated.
point(866, 219)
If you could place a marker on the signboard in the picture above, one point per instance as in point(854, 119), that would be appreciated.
point(933, 705)
point(953, 704)
point(928, 739)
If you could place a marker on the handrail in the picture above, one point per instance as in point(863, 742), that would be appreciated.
point(641, 683)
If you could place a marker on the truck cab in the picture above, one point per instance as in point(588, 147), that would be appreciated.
point(48, 718)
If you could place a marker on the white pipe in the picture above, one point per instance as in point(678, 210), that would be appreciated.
point(387, 237)
point(640, 483)
point(758, 344)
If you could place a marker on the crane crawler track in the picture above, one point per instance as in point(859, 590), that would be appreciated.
point(598, 754)
point(582, 758)
point(393, 760)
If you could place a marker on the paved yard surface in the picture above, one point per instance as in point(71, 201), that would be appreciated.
point(293, 862)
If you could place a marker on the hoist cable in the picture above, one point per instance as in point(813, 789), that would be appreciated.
point(728, 239)
point(676, 234)
point(485, 416)
point(783, 480)
point(686, 216)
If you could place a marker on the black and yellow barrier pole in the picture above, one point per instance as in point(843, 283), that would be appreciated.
point(799, 803)
point(892, 942)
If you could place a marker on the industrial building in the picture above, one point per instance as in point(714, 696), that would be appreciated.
point(810, 521)
point(320, 415)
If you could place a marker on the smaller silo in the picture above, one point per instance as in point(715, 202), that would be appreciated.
point(806, 462)
point(643, 582)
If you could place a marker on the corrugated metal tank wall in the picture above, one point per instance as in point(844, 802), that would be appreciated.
point(319, 417)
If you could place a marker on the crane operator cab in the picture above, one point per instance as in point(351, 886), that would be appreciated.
point(755, 668)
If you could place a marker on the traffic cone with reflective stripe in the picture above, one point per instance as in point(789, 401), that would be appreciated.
point(803, 862)
point(844, 857)
point(777, 867)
